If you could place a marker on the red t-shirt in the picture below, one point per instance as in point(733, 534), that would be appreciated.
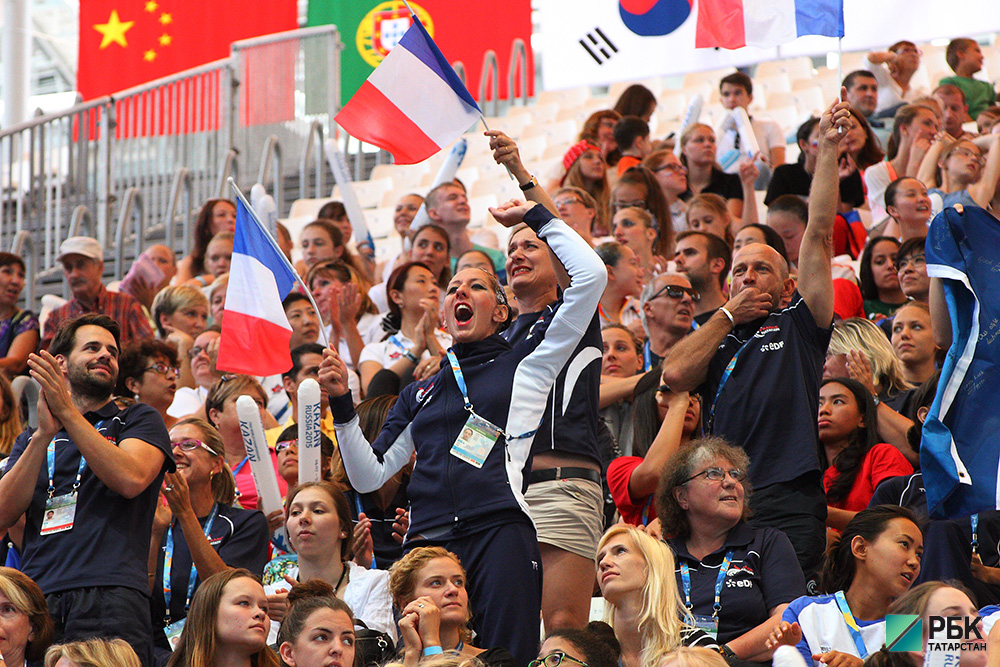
point(247, 489)
point(882, 462)
point(626, 162)
point(634, 513)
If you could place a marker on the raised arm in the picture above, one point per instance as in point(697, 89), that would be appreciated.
point(367, 467)
point(505, 153)
point(982, 191)
point(815, 278)
point(927, 173)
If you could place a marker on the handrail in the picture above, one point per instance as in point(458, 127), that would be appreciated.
point(21, 239)
point(315, 131)
point(132, 200)
point(288, 34)
point(271, 154)
point(183, 184)
point(490, 67)
point(173, 78)
point(81, 216)
point(48, 118)
point(230, 167)
point(518, 56)
point(459, 68)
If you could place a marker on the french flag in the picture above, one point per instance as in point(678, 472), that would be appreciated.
point(255, 332)
point(413, 104)
point(733, 24)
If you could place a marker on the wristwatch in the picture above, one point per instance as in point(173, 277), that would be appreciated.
point(532, 182)
point(727, 652)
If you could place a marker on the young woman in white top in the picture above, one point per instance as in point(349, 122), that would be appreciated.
point(415, 350)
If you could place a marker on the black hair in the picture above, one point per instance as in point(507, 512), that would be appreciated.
point(636, 100)
point(293, 297)
point(771, 237)
point(717, 248)
point(869, 290)
point(848, 461)
point(593, 644)
point(628, 129)
point(298, 353)
point(922, 397)
point(738, 79)
point(135, 358)
point(851, 78)
point(839, 565)
point(793, 204)
point(65, 338)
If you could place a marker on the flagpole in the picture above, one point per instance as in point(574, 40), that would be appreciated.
point(840, 72)
point(281, 254)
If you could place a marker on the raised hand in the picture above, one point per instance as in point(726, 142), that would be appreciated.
point(785, 634)
point(512, 212)
point(333, 373)
point(836, 120)
point(47, 371)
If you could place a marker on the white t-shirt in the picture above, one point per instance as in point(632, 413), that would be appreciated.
point(766, 131)
point(877, 179)
point(889, 93)
point(187, 401)
point(824, 628)
point(389, 351)
point(370, 328)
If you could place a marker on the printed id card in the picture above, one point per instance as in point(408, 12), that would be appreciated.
point(173, 633)
point(475, 441)
point(59, 514)
point(707, 624)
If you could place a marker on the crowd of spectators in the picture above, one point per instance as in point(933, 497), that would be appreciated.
point(652, 399)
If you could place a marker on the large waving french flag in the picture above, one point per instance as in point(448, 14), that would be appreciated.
point(255, 332)
point(413, 104)
point(733, 24)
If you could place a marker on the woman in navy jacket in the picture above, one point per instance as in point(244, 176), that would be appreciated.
point(472, 426)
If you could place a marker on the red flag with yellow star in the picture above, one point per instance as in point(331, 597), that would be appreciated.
point(124, 43)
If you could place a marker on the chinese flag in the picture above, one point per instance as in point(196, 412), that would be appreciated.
point(124, 43)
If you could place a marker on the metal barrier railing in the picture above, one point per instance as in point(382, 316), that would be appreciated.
point(131, 214)
point(491, 74)
point(314, 144)
point(270, 164)
point(181, 188)
point(518, 65)
point(230, 167)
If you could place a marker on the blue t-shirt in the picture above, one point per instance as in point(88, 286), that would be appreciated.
point(763, 574)
point(769, 404)
point(239, 536)
point(109, 542)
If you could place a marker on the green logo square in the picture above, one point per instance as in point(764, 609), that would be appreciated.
point(904, 632)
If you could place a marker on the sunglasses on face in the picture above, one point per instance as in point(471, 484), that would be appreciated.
point(285, 444)
point(677, 292)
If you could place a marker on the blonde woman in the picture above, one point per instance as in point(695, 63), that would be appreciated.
point(859, 350)
point(636, 576)
point(92, 653)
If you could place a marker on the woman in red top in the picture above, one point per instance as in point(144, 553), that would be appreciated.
point(856, 463)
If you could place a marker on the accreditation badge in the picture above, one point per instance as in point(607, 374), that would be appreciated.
point(475, 441)
point(59, 514)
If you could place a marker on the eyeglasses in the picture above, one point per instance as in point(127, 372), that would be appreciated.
point(677, 168)
point(617, 206)
point(567, 202)
point(555, 659)
point(916, 262)
point(677, 292)
point(162, 369)
point(715, 474)
point(285, 444)
point(196, 350)
point(978, 158)
point(191, 444)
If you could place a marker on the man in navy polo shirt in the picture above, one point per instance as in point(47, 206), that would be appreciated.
point(87, 481)
point(759, 366)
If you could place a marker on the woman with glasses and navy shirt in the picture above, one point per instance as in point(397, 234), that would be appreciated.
point(196, 531)
point(148, 372)
point(735, 580)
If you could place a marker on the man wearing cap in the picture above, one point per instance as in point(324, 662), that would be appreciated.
point(83, 265)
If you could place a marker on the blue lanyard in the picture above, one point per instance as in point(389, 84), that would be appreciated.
point(686, 583)
point(975, 532)
point(398, 343)
point(458, 648)
point(236, 471)
point(460, 380)
point(357, 503)
point(168, 559)
point(645, 510)
point(50, 458)
point(722, 382)
point(647, 358)
point(852, 625)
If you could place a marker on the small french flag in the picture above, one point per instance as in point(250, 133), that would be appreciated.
point(255, 332)
point(413, 104)
point(733, 24)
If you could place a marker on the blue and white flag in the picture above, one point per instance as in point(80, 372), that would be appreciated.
point(960, 449)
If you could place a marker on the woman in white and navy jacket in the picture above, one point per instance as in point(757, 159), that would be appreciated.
point(472, 426)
